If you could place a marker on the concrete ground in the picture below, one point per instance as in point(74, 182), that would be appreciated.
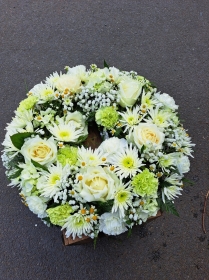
point(165, 41)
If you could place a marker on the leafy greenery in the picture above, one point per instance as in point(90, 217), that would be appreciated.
point(105, 64)
point(38, 165)
point(104, 206)
point(18, 139)
point(168, 206)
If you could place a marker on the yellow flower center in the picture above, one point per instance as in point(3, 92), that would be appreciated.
point(128, 162)
point(54, 178)
point(98, 183)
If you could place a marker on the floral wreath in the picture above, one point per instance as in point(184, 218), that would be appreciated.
point(96, 150)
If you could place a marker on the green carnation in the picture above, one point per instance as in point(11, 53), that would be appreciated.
point(67, 155)
point(107, 117)
point(58, 214)
point(27, 103)
point(145, 183)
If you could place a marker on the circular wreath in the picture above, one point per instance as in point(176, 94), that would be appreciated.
point(96, 150)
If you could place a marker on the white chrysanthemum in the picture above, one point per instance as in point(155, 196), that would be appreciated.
point(65, 132)
point(89, 157)
point(37, 205)
point(52, 79)
point(147, 102)
point(122, 200)
point(174, 179)
point(77, 225)
point(159, 117)
point(22, 120)
point(50, 183)
point(166, 100)
point(112, 224)
point(7, 143)
point(127, 162)
point(43, 91)
point(130, 118)
point(166, 161)
point(171, 192)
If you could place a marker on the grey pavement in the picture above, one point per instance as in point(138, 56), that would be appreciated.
point(167, 42)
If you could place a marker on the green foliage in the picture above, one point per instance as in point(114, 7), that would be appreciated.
point(168, 206)
point(105, 64)
point(103, 207)
point(16, 174)
point(38, 165)
point(18, 139)
point(187, 181)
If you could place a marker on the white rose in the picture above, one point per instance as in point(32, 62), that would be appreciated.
point(39, 150)
point(129, 91)
point(146, 133)
point(79, 70)
point(97, 184)
point(111, 224)
point(70, 82)
point(37, 206)
point(112, 145)
point(166, 100)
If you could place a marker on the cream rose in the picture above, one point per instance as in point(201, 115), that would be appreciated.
point(70, 82)
point(39, 150)
point(129, 91)
point(97, 184)
point(145, 133)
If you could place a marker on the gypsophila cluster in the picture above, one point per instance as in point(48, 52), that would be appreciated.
point(66, 180)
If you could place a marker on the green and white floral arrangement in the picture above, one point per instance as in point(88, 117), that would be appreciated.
point(136, 170)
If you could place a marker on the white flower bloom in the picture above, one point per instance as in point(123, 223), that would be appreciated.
point(79, 71)
point(39, 150)
point(182, 163)
point(112, 224)
point(130, 118)
point(77, 225)
point(123, 199)
point(145, 134)
point(97, 184)
point(43, 91)
point(7, 143)
point(68, 82)
point(159, 117)
point(65, 132)
point(147, 101)
point(166, 100)
point(37, 205)
point(129, 91)
point(50, 183)
point(89, 157)
point(22, 119)
point(112, 145)
point(52, 79)
point(171, 192)
point(127, 162)
point(77, 119)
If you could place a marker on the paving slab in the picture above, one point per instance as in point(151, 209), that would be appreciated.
point(167, 42)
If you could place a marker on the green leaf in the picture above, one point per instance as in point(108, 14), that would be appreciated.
point(187, 181)
point(18, 139)
point(168, 206)
point(16, 174)
point(143, 148)
point(105, 64)
point(38, 165)
point(103, 207)
point(129, 232)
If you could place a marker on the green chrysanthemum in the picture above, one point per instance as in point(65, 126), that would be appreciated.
point(107, 117)
point(58, 214)
point(67, 155)
point(27, 103)
point(145, 183)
